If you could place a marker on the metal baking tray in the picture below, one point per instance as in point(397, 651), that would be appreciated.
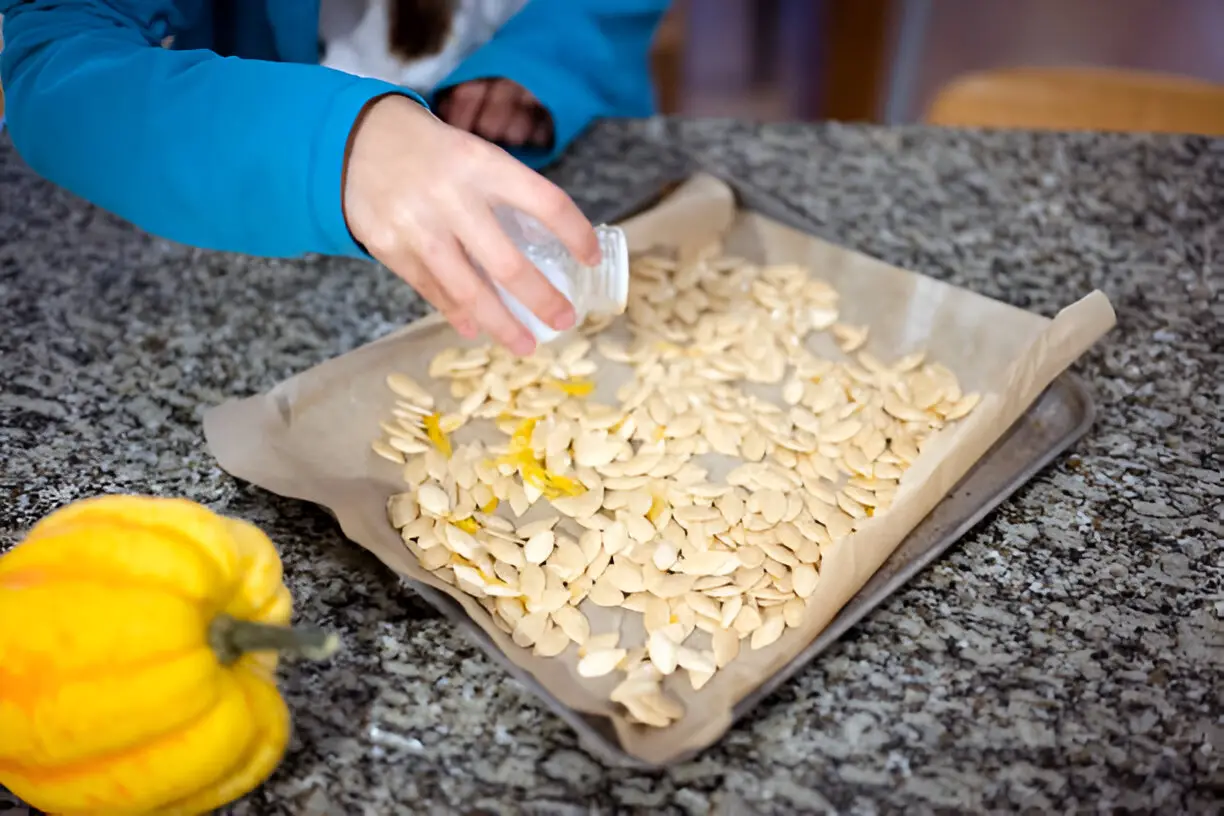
point(1059, 417)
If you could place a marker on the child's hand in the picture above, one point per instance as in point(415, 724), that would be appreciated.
point(500, 110)
point(418, 195)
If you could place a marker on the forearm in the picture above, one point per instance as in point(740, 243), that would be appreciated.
point(219, 153)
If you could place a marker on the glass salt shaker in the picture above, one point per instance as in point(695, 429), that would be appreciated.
point(599, 289)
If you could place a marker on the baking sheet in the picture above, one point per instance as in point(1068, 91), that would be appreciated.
point(309, 438)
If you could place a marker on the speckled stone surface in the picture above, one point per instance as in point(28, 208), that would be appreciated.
point(1066, 656)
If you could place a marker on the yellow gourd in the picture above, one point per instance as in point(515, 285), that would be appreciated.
point(138, 646)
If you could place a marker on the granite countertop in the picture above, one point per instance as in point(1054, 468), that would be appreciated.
point(1067, 655)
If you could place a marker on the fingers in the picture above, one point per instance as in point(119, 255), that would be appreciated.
point(450, 267)
point(501, 103)
point(443, 105)
point(487, 243)
point(463, 105)
point(542, 135)
point(535, 195)
point(519, 130)
point(499, 110)
point(416, 276)
point(525, 118)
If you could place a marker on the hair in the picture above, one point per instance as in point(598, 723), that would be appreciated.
point(419, 28)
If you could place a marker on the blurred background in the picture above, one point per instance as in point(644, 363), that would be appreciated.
point(1101, 64)
point(886, 60)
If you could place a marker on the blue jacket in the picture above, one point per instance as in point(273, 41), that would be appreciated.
point(246, 154)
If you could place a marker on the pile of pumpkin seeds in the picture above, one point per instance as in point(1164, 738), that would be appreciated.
point(626, 510)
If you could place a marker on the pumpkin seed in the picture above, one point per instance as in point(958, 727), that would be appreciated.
point(526, 531)
point(850, 338)
point(663, 651)
point(384, 449)
point(575, 624)
point(402, 509)
point(694, 660)
point(540, 546)
point(597, 664)
point(433, 500)
point(506, 552)
point(644, 713)
point(404, 386)
point(529, 628)
point(804, 578)
point(604, 593)
point(726, 645)
point(596, 643)
point(747, 621)
point(963, 406)
point(625, 576)
point(771, 628)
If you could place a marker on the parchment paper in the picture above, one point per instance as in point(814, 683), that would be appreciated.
point(309, 437)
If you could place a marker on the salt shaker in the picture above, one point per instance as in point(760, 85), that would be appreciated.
point(599, 289)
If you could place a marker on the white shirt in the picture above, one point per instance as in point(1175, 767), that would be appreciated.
point(356, 39)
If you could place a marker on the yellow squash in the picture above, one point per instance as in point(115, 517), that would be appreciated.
point(138, 646)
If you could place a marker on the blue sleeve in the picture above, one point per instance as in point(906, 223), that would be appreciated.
point(583, 59)
point(220, 153)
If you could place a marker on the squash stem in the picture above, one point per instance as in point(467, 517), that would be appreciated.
point(231, 638)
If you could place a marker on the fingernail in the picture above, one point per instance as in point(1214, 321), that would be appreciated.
point(565, 320)
point(523, 345)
